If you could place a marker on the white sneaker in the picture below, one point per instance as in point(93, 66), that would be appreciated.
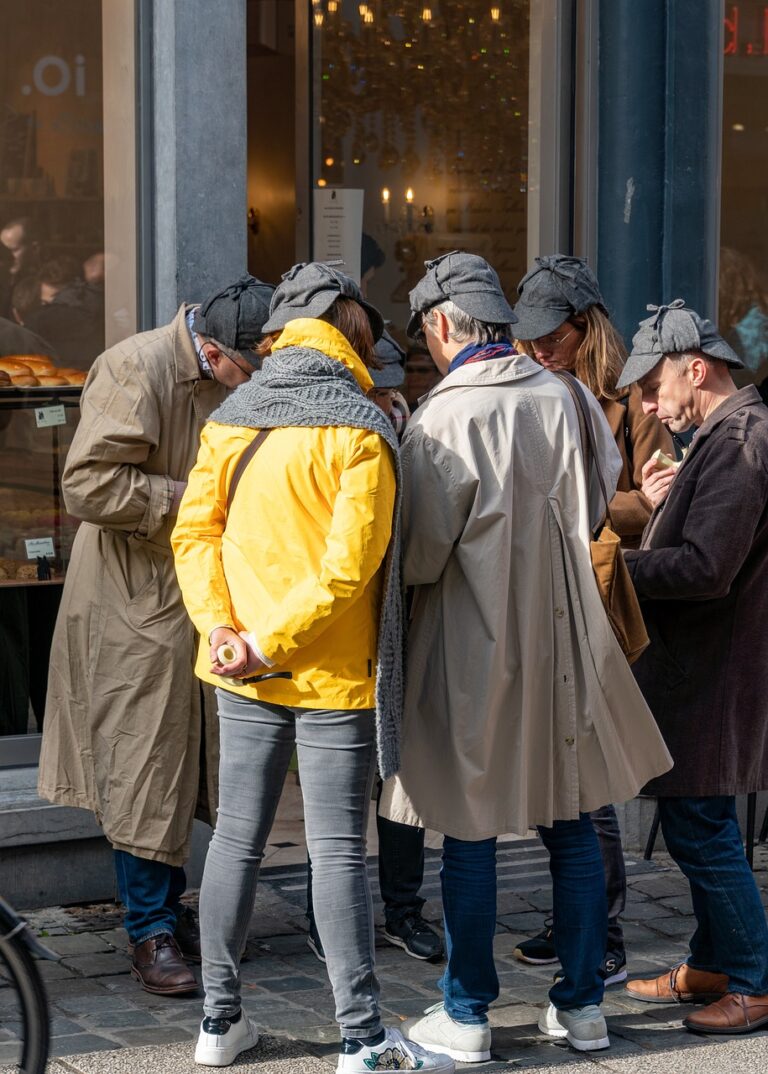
point(221, 1041)
point(436, 1029)
point(393, 1053)
point(583, 1027)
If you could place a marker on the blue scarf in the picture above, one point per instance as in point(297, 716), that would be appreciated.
point(481, 352)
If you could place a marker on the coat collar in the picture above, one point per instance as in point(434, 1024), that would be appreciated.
point(185, 360)
point(494, 371)
point(744, 397)
point(321, 336)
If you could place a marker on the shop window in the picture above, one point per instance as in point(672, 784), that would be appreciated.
point(743, 294)
point(67, 289)
point(420, 144)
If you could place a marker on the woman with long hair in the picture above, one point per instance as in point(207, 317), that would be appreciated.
point(288, 555)
point(564, 325)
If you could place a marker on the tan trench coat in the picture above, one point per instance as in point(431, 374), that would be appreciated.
point(520, 707)
point(125, 713)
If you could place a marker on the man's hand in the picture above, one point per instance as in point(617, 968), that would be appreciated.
point(656, 481)
point(245, 661)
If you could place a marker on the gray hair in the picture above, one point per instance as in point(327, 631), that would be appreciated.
point(467, 329)
point(681, 360)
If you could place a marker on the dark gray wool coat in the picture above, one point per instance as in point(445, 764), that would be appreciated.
point(702, 576)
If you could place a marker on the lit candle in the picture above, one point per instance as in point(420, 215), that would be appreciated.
point(385, 202)
point(409, 208)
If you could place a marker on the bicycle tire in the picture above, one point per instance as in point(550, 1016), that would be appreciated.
point(24, 975)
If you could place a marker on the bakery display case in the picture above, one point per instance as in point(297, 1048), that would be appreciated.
point(38, 417)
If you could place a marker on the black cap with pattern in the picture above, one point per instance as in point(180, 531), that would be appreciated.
point(468, 281)
point(673, 329)
point(236, 314)
point(309, 290)
point(559, 287)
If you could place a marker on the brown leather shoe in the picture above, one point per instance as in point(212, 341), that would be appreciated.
point(683, 984)
point(158, 965)
point(187, 935)
point(734, 1013)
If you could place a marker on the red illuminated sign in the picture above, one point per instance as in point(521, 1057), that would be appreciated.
point(746, 29)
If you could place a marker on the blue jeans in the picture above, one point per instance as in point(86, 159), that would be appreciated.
point(702, 835)
point(150, 892)
point(468, 876)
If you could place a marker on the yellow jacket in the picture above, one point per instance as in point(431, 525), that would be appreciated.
point(298, 563)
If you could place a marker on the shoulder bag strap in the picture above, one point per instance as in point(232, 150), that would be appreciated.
point(242, 464)
point(587, 433)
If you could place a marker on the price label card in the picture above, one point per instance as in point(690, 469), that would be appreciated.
point(39, 546)
point(45, 416)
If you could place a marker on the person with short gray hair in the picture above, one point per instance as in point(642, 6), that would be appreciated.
point(702, 576)
point(520, 708)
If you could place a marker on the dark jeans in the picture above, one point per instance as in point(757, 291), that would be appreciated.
point(468, 875)
point(702, 835)
point(150, 892)
point(606, 824)
point(401, 869)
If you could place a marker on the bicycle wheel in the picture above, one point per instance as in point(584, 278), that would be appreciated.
point(24, 1020)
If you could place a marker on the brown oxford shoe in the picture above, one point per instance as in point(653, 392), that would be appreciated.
point(157, 964)
point(187, 935)
point(683, 984)
point(734, 1013)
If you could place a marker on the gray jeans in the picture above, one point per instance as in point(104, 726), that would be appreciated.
point(336, 765)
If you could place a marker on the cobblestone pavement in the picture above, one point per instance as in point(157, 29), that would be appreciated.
point(103, 1023)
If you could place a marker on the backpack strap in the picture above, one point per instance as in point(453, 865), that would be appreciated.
point(242, 464)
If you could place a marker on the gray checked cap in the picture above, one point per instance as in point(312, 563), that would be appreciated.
point(392, 358)
point(235, 315)
point(309, 290)
point(673, 329)
point(559, 287)
point(468, 281)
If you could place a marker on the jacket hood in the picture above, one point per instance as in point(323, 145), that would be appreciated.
point(321, 336)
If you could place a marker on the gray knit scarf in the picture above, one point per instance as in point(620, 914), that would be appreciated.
point(300, 386)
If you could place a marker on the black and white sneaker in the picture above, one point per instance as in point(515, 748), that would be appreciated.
point(613, 969)
point(416, 937)
point(221, 1040)
point(540, 949)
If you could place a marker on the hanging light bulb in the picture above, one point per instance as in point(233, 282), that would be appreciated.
point(495, 13)
point(362, 10)
point(333, 6)
point(318, 18)
point(368, 17)
point(426, 14)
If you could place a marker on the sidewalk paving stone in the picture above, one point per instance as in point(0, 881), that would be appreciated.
point(105, 1024)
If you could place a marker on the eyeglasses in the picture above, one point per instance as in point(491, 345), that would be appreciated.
point(552, 340)
point(232, 355)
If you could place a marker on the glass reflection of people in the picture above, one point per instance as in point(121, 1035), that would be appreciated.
point(71, 314)
point(743, 315)
point(19, 256)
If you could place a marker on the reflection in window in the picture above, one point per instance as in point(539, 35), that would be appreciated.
point(422, 106)
point(51, 184)
point(743, 298)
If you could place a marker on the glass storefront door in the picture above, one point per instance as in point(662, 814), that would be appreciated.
point(67, 289)
point(420, 123)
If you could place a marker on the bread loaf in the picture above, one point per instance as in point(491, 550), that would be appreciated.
point(24, 380)
point(50, 380)
point(13, 365)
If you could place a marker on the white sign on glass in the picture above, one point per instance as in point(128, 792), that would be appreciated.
point(338, 228)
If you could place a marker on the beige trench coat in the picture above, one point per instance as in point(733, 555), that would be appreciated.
point(520, 706)
point(125, 713)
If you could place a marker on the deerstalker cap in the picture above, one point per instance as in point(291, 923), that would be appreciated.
point(673, 329)
point(235, 315)
point(559, 287)
point(468, 281)
point(309, 290)
point(392, 358)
